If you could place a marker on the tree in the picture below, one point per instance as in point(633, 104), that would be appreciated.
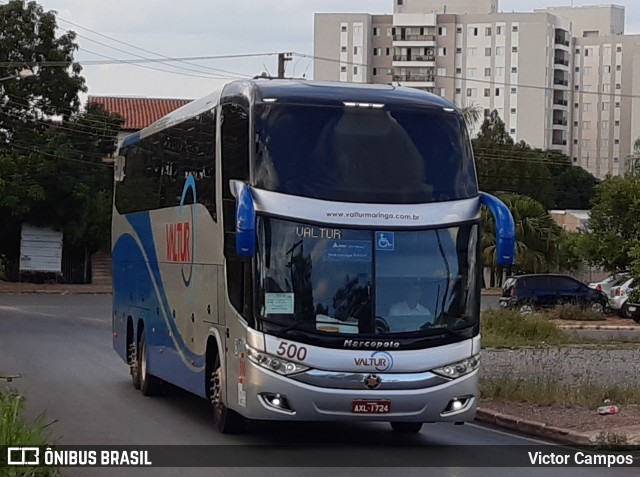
point(471, 114)
point(28, 39)
point(614, 226)
point(547, 176)
point(51, 150)
point(537, 235)
point(504, 166)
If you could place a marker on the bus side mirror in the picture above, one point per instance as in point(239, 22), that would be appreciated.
point(245, 222)
point(505, 229)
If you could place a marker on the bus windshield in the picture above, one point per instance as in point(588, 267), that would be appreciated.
point(355, 154)
point(354, 281)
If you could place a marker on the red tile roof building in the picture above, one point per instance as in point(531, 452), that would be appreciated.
point(138, 113)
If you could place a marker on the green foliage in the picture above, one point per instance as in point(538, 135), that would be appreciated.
point(552, 391)
point(508, 329)
point(546, 176)
point(570, 251)
point(51, 169)
point(573, 313)
point(537, 235)
point(15, 431)
point(615, 223)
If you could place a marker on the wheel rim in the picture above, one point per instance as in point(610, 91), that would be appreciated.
point(597, 307)
point(526, 309)
point(143, 361)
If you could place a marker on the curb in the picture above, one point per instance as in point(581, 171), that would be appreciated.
point(600, 327)
point(541, 429)
point(74, 291)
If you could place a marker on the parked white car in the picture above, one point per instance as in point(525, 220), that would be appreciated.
point(619, 295)
point(611, 281)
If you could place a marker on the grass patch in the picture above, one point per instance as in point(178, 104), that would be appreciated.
point(573, 313)
point(508, 329)
point(16, 431)
point(549, 391)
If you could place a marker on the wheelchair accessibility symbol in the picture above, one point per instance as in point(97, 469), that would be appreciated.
point(385, 241)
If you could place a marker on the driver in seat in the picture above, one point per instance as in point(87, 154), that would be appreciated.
point(411, 305)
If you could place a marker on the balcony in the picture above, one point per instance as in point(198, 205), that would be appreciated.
point(560, 82)
point(561, 61)
point(559, 122)
point(414, 58)
point(414, 37)
point(562, 41)
point(415, 78)
point(560, 102)
point(559, 141)
point(417, 81)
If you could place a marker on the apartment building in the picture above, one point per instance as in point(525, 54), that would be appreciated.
point(556, 76)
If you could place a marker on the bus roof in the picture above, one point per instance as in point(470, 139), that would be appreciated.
point(296, 91)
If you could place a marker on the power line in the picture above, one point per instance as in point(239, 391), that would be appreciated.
point(139, 61)
point(477, 80)
point(151, 52)
point(35, 151)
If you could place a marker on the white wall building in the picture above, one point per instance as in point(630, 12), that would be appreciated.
point(533, 68)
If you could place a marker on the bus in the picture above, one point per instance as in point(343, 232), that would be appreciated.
point(301, 250)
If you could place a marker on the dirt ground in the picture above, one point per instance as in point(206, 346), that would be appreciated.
point(581, 420)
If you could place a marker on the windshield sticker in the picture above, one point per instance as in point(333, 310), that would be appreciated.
point(318, 232)
point(385, 241)
point(278, 303)
point(348, 251)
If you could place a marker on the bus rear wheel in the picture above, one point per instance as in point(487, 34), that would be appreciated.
point(406, 427)
point(227, 420)
point(149, 384)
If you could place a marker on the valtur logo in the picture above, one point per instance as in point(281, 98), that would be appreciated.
point(379, 360)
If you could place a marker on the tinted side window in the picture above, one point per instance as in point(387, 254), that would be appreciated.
point(235, 156)
point(141, 187)
point(157, 167)
point(235, 165)
point(565, 284)
point(536, 283)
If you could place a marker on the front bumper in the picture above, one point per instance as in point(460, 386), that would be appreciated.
point(313, 403)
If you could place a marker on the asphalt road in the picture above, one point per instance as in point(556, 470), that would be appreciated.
point(61, 347)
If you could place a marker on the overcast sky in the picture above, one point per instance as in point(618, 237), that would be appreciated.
point(188, 28)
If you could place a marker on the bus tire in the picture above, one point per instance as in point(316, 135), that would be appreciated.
point(149, 384)
point(227, 420)
point(406, 427)
point(134, 366)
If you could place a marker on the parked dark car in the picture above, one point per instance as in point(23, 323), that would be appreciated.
point(530, 292)
point(632, 310)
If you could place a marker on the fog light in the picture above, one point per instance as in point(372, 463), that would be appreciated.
point(457, 404)
point(276, 401)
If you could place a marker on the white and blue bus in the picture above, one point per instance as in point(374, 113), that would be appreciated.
point(298, 250)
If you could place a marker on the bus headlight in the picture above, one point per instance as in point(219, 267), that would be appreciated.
point(455, 370)
point(274, 363)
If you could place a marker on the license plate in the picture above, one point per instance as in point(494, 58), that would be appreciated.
point(632, 309)
point(371, 407)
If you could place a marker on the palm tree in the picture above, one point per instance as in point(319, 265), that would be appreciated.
point(537, 235)
point(472, 115)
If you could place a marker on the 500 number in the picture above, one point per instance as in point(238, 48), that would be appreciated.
point(292, 351)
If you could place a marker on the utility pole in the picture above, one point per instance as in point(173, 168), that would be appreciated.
point(282, 60)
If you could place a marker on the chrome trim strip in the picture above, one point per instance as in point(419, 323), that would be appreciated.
point(389, 381)
point(385, 215)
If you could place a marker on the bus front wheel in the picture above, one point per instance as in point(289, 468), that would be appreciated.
point(227, 420)
point(406, 427)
